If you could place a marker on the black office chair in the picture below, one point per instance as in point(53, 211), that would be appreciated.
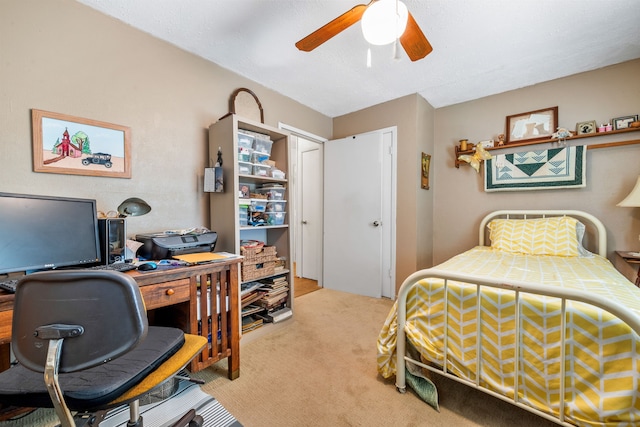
point(87, 332)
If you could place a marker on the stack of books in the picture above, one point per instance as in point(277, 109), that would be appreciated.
point(249, 323)
point(274, 292)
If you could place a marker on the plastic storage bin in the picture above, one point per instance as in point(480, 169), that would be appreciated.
point(261, 170)
point(245, 140)
point(244, 154)
point(273, 192)
point(262, 144)
point(275, 218)
point(276, 206)
point(245, 168)
point(259, 157)
point(243, 215)
point(258, 205)
point(277, 173)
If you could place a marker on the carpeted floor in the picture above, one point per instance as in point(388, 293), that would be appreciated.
point(157, 414)
point(319, 369)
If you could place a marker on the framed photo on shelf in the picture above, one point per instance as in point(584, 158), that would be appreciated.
point(77, 146)
point(584, 128)
point(532, 126)
point(623, 122)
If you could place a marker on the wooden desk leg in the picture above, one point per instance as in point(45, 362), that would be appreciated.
point(638, 278)
point(5, 357)
point(233, 360)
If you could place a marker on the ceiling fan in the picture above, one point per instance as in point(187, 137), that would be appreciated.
point(411, 37)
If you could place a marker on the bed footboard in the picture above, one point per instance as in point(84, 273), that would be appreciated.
point(518, 289)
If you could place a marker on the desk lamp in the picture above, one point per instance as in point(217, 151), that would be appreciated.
point(133, 207)
point(632, 201)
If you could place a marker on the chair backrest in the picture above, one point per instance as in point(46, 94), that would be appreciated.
point(107, 304)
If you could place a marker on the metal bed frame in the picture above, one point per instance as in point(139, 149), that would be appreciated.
point(564, 295)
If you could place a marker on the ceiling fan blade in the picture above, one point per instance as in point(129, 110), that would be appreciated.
point(332, 28)
point(414, 41)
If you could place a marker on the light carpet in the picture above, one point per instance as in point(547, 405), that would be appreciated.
point(318, 368)
point(158, 414)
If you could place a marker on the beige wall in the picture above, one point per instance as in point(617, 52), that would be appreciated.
point(65, 57)
point(600, 95)
point(413, 117)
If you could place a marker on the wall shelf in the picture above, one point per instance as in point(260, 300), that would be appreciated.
point(459, 152)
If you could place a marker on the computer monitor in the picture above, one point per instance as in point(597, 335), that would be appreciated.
point(45, 232)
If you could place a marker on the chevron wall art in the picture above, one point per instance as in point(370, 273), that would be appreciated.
point(537, 170)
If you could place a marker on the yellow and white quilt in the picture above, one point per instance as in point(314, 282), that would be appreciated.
point(602, 379)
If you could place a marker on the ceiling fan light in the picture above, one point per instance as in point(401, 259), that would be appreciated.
point(381, 24)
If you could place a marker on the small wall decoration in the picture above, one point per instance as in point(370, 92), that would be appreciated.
point(77, 146)
point(532, 126)
point(623, 122)
point(584, 128)
point(424, 179)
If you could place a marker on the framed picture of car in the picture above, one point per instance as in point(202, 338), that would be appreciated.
point(77, 146)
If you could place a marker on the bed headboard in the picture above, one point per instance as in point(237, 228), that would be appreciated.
point(594, 227)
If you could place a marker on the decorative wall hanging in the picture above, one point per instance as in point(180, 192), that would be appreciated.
point(537, 170)
point(76, 146)
point(424, 176)
point(245, 103)
point(532, 126)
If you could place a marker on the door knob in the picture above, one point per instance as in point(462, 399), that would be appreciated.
point(376, 223)
point(304, 222)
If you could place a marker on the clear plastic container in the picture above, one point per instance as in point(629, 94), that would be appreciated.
point(262, 144)
point(245, 168)
point(277, 173)
point(245, 140)
point(273, 192)
point(275, 218)
point(276, 206)
point(258, 205)
point(259, 157)
point(244, 154)
point(261, 170)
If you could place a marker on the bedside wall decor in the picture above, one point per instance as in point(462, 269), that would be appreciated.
point(77, 146)
point(537, 170)
point(532, 126)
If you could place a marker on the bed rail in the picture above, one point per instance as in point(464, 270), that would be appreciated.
point(592, 223)
point(518, 287)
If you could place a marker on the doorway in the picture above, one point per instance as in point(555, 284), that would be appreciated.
point(306, 160)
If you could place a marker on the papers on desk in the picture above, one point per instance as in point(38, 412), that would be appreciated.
point(206, 257)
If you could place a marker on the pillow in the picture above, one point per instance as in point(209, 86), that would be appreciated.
point(540, 236)
point(580, 229)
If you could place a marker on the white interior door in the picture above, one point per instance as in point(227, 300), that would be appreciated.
point(311, 210)
point(359, 214)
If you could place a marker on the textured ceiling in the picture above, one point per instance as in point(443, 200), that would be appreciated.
point(480, 47)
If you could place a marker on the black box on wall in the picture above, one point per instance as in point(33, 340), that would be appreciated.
point(113, 239)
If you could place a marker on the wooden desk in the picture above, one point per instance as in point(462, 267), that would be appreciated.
point(631, 258)
point(172, 298)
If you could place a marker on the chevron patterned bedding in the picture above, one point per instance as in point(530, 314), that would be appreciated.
point(602, 380)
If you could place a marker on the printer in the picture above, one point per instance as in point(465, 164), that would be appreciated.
point(165, 245)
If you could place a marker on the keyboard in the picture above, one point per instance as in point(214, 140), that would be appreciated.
point(9, 285)
point(121, 267)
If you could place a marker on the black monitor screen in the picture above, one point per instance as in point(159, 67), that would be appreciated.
point(43, 232)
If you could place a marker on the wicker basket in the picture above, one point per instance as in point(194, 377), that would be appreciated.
point(258, 254)
point(255, 271)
